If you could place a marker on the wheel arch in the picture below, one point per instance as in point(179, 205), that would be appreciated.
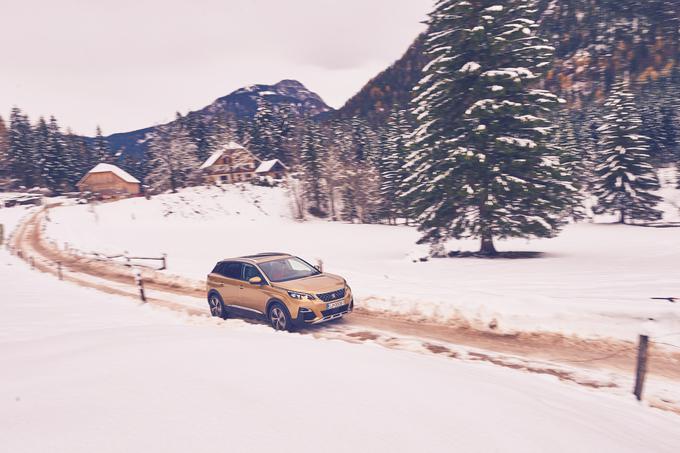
point(273, 301)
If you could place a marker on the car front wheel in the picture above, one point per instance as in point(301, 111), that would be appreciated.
point(217, 306)
point(279, 317)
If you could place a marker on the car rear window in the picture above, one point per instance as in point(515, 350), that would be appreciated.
point(230, 270)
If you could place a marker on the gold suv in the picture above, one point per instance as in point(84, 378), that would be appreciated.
point(285, 289)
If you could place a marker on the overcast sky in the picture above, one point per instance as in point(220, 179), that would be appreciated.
point(128, 64)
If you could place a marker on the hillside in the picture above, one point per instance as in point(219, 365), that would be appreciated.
point(595, 41)
point(375, 101)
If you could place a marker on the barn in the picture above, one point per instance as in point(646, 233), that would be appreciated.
point(110, 181)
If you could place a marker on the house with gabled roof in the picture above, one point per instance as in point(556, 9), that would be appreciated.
point(234, 163)
point(109, 180)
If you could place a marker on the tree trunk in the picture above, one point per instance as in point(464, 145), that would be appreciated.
point(622, 219)
point(487, 248)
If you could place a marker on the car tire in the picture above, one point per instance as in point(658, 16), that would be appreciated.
point(216, 304)
point(279, 317)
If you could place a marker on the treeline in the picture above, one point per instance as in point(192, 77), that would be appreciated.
point(341, 169)
point(40, 154)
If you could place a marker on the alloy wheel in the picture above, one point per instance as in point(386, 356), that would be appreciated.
point(278, 318)
point(215, 306)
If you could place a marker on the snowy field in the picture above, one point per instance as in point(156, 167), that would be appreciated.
point(593, 280)
point(83, 371)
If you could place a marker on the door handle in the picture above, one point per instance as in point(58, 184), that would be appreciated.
point(220, 284)
point(241, 286)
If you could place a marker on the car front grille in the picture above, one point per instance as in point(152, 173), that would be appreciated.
point(335, 311)
point(333, 295)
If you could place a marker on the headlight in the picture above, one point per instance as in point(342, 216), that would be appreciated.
point(300, 296)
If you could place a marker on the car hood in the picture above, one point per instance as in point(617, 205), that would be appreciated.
point(316, 284)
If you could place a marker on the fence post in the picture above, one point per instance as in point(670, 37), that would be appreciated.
point(140, 284)
point(641, 366)
point(165, 262)
point(61, 276)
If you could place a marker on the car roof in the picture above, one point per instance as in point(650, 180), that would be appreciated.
point(261, 257)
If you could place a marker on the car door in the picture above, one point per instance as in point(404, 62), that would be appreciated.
point(229, 281)
point(253, 296)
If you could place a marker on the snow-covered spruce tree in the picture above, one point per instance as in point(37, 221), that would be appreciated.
point(625, 177)
point(56, 161)
point(172, 158)
point(483, 165)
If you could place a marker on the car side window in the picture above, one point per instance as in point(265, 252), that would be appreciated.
point(231, 270)
point(250, 271)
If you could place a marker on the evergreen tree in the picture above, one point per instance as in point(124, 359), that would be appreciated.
point(626, 179)
point(41, 151)
point(78, 159)
point(20, 156)
point(484, 166)
point(172, 158)
point(52, 151)
point(101, 151)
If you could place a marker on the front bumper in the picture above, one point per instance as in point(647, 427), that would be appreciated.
point(309, 315)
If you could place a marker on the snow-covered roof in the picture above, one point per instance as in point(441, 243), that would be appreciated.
point(268, 165)
point(212, 159)
point(122, 174)
point(217, 154)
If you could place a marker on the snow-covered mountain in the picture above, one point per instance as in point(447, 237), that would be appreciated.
point(240, 104)
point(291, 93)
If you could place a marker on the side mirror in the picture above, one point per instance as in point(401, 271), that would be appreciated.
point(255, 280)
point(318, 268)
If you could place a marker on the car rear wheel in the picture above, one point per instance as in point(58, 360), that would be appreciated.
point(279, 318)
point(217, 306)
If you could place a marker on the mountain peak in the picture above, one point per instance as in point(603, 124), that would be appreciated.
point(288, 92)
point(290, 83)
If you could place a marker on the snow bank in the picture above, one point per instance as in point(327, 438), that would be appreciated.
point(84, 371)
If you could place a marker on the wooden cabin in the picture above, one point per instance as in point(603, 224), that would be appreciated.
point(109, 181)
point(272, 169)
point(232, 163)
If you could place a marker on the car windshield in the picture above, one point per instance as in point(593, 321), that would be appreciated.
point(287, 269)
